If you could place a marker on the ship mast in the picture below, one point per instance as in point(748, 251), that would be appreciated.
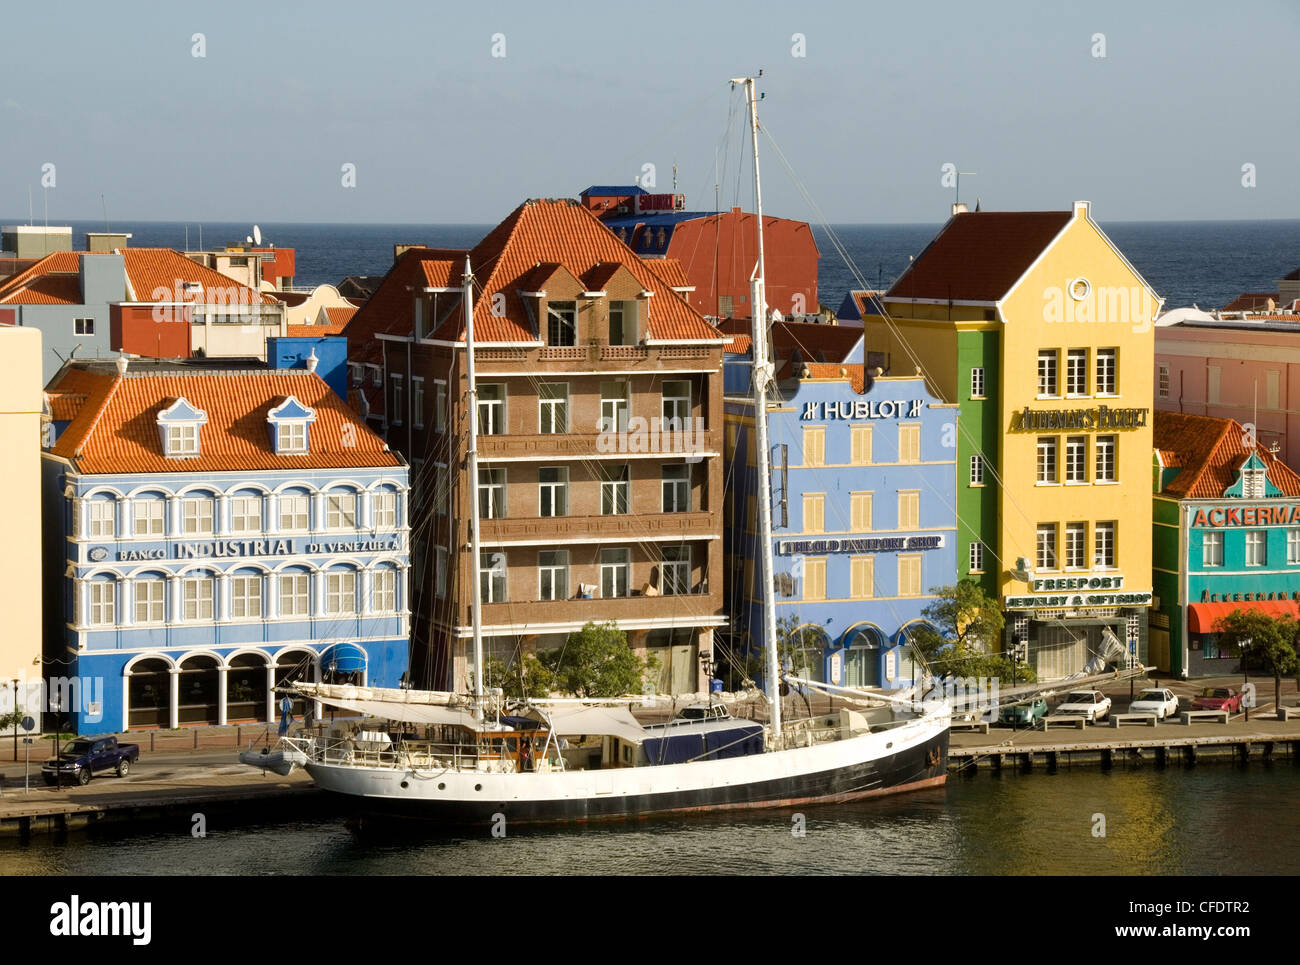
point(762, 374)
point(471, 469)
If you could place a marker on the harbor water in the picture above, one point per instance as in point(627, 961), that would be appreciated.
point(1208, 820)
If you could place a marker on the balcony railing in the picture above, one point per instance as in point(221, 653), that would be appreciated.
point(602, 528)
point(591, 445)
point(681, 607)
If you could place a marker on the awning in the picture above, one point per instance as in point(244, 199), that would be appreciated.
point(1202, 617)
point(405, 713)
point(343, 658)
point(606, 721)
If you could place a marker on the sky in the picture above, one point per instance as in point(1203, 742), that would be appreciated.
point(454, 113)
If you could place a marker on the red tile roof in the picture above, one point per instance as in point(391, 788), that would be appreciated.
point(853, 374)
point(1251, 301)
point(979, 255)
point(116, 429)
point(149, 273)
point(559, 233)
point(1211, 451)
point(810, 341)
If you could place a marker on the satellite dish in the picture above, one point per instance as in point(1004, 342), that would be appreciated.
point(249, 239)
point(257, 235)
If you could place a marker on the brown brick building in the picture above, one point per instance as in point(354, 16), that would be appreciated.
point(600, 421)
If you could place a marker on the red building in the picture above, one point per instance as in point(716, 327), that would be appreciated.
point(717, 250)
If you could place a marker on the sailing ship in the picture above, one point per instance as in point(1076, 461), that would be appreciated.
point(469, 759)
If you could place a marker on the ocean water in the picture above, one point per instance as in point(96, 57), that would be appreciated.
point(1206, 263)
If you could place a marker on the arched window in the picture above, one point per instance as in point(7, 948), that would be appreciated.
point(149, 693)
point(862, 658)
point(198, 683)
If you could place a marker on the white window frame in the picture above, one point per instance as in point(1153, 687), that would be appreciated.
point(341, 592)
point(1256, 547)
point(417, 401)
point(240, 514)
point(1162, 380)
point(291, 438)
point(552, 574)
point(675, 571)
point(289, 502)
point(492, 409)
point(383, 590)
point(1049, 385)
point(675, 487)
point(397, 380)
point(149, 595)
point(383, 512)
point(339, 515)
point(977, 470)
point(150, 514)
point(615, 494)
point(494, 491)
point(1212, 548)
point(615, 568)
point(553, 493)
point(295, 594)
point(1293, 545)
point(562, 323)
point(103, 603)
point(101, 518)
point(552, 409)
point(676, 407)
point(977, 557)
point(615, 409)
point(1106, 459)
point(1046, 463)
point(1076, 459)
point(1045, 547)
point(1076, 546)
point(977, 382)
point(83, 326)
point(198, 596)
point(1076, 373)
point(440, 404)
point(1103, 545)
point(191, 512)
point(183, 440)
point(246, 596)
point(493, 583)
point(1107, 372)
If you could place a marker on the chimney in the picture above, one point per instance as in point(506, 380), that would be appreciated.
point(121, 365)
point(401, 249)
point(312, 361)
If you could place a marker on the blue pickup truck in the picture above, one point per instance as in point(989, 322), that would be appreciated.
point(85, 757)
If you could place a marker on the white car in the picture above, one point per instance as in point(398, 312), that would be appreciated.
point(1092, 705)
point(1162, 703)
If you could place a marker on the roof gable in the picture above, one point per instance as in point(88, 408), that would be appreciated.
point(1211, 453)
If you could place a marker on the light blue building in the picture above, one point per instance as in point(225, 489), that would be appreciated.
point(864, 518)
point(211, 532)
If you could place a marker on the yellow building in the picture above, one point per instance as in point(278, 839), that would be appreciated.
point(1041, 330)
point(20, 495)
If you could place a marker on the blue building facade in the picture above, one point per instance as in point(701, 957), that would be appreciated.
point(184, 597)
point(864, 520)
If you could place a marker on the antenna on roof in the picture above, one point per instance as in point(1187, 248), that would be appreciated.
point(105, 204)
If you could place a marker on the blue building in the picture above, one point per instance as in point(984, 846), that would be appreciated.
point(864, 518)
point(211, 532)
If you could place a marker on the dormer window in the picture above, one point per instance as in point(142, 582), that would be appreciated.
point(562, 323)
point(288, 423)
point(1252, 483)
point(179, 425)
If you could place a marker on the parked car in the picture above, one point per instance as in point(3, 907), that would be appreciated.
point(83, 758)
point(1218, 698)
point(1023, 715)
point(1161, 702)
point(1091, 704)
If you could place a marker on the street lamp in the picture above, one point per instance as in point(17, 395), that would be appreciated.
point(1244, 645)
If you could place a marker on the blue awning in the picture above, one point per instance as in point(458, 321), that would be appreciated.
point(343, 658)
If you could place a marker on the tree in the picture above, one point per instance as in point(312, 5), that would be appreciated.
point(964, 623)
point(1272, 642)
point(596, 661)
point(526, 678)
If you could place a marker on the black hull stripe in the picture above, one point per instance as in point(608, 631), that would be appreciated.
point(925, 765)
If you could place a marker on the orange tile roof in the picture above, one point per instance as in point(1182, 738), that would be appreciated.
point(149, 272)
point(853, 374)
point(740, 344)
point(52, 289)
point(566, 233)
point(64, 406)
point(1251, 301)
point(116, 429)
point(671, 271)
point(1211, 452)
point(340, 315)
